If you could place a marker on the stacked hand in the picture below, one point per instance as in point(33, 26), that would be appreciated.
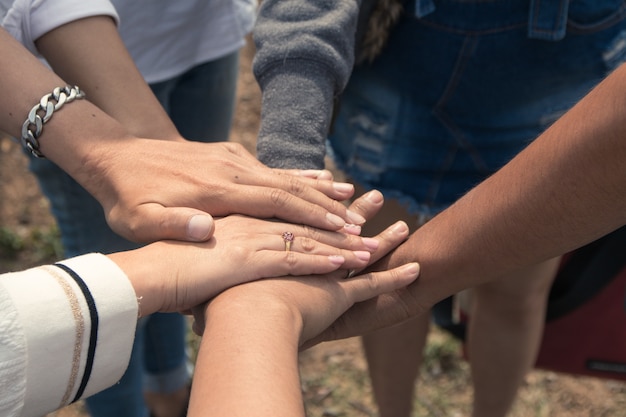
point(243, 249)
point(153, 190)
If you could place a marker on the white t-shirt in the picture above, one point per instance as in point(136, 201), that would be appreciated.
point(164, 37)
point(27, 20)
point(64, 333)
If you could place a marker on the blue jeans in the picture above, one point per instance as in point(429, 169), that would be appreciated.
point(201, 104)
point(462, 86)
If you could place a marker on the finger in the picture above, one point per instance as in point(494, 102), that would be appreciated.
point(198, 319)
point(323, 193)
point(368, 205)
point(152, 222)
point(364, 317)
point(271, 264)
point(261, 175)
point(264, 202)
point(318, 174)
point(312, 240)
point(389, 239)
point(366, 286)
point(276, 248)
point(321, 180)
point(394, 299)
point(197, 328)
point(299, 261)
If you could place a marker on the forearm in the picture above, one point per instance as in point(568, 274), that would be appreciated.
point(247, 362)
point(24, 82)
point(90, 53)
point(305, 53)
point(566, 189)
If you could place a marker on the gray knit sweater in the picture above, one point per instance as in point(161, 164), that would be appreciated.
point(305, 53)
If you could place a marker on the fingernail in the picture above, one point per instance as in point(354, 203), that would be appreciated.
point(199, 227)
point(399, 227)
point(374, 196)
point(337, 259)
point(352, 229)
point(335, 220)
point(362, 255)
point(310, 173)
point(325, 175)
point(411, 269)
point(343, 187)
point(355, 218)
point(371, 243)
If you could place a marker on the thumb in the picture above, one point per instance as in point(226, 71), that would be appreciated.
point(155, 222)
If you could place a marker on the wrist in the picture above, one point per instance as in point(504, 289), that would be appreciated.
point(240, 304)
point(75, 136)
point(139, 270)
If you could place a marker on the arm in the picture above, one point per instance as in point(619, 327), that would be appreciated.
point(305, 53)
point(90, 53)
point(120, 169)
point(56, 346)
point(565, 190)
point(248, 357)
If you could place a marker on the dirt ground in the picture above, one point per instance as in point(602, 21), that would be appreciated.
point(334, 376)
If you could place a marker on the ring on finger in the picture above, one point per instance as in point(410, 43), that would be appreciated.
point(288, 238)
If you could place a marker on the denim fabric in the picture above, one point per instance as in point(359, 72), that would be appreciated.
point(201, 104)
point(458, 92)
point(201, 101)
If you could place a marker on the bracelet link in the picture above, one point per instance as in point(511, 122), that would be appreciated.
point(42, 112)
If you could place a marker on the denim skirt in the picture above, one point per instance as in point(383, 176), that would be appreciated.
point(464, 85)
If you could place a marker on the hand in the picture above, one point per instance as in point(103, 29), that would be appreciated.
point(387, 240)
point(382, 310)
point(153, 190)
point(386, 309)
point(175, 276)
point(253, 333)
point(311, 303)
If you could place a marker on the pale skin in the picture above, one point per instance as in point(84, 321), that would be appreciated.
point(191, 273)
point(248, 358)
point(120, 167)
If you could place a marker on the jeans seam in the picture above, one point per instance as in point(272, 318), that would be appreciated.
point(467, 49)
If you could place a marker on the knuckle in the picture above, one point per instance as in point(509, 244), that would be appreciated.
point(307, 244)
point(312, 233)
point(291, 259)
point(233, 147)
point(279, 198)
point(295, 186)
point(127, 226)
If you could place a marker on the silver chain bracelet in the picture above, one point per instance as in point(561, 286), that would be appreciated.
point(33, 126)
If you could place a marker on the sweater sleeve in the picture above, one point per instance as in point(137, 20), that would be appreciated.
point(66, 332)
point(305, 54)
